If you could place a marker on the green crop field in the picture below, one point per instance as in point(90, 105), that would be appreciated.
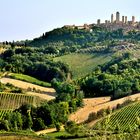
point(83, 64)
point(29, 79)
point(11, 101)
point(126, 119)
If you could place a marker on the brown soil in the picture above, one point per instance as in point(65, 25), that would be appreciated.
point(46, 131)
point(43, 92)
point(96, 104)
point(89, 104)
point(41, 95)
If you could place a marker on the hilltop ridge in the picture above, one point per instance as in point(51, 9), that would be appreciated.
point(112, 24)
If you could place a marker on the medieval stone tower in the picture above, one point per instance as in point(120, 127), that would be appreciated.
point(117, 17)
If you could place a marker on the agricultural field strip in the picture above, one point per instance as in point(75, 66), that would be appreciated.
point(12, 101)
point(82, 114)
point(41, 96)
point(4, 112)
point(123, 120)
point(122, 117)
point(26, 85)
point(127, 113)
point(28, 79)
point(125, 117)
point(90, 124)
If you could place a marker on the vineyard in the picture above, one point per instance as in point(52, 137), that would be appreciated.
point(11, 101)
point(126, 119)
point(82, 64)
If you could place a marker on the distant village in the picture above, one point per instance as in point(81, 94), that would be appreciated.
point(115, 23)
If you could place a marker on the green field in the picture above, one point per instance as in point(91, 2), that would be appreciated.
point(83, 64)
point(126, 119)
point(29, 79)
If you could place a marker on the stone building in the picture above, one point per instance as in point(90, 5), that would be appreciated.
point(117, 17)
point(112, 18)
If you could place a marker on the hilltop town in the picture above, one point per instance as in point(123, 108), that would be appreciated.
point(116, 22)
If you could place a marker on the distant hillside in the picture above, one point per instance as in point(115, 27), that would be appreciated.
point(40, 57)
point(84, 38)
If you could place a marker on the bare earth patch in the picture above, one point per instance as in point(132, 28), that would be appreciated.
point(49, 130)
point(98, 103)
point(41, 95)
point(43, 92)
point(89, 104)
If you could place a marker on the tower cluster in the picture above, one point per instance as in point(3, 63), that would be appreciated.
point(118, 19)
point(121, 20)
point(116, 22)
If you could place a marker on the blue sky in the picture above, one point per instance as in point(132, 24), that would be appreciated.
point(27, 19)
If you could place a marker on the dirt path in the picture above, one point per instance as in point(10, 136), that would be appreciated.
point(82, 114)
point(43, 92)
point(50, 130)
point(46, 131)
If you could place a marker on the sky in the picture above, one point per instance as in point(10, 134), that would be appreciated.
point(28, 19)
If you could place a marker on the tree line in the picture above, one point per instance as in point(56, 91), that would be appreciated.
point(49, 114)
point(115, 79)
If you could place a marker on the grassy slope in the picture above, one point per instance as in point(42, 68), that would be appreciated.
point(83, 64)
point(29, 79)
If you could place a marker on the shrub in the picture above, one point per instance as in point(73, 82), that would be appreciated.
point(71, 127)
point(38, 124)
point(58, 126)
point(91, 117)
